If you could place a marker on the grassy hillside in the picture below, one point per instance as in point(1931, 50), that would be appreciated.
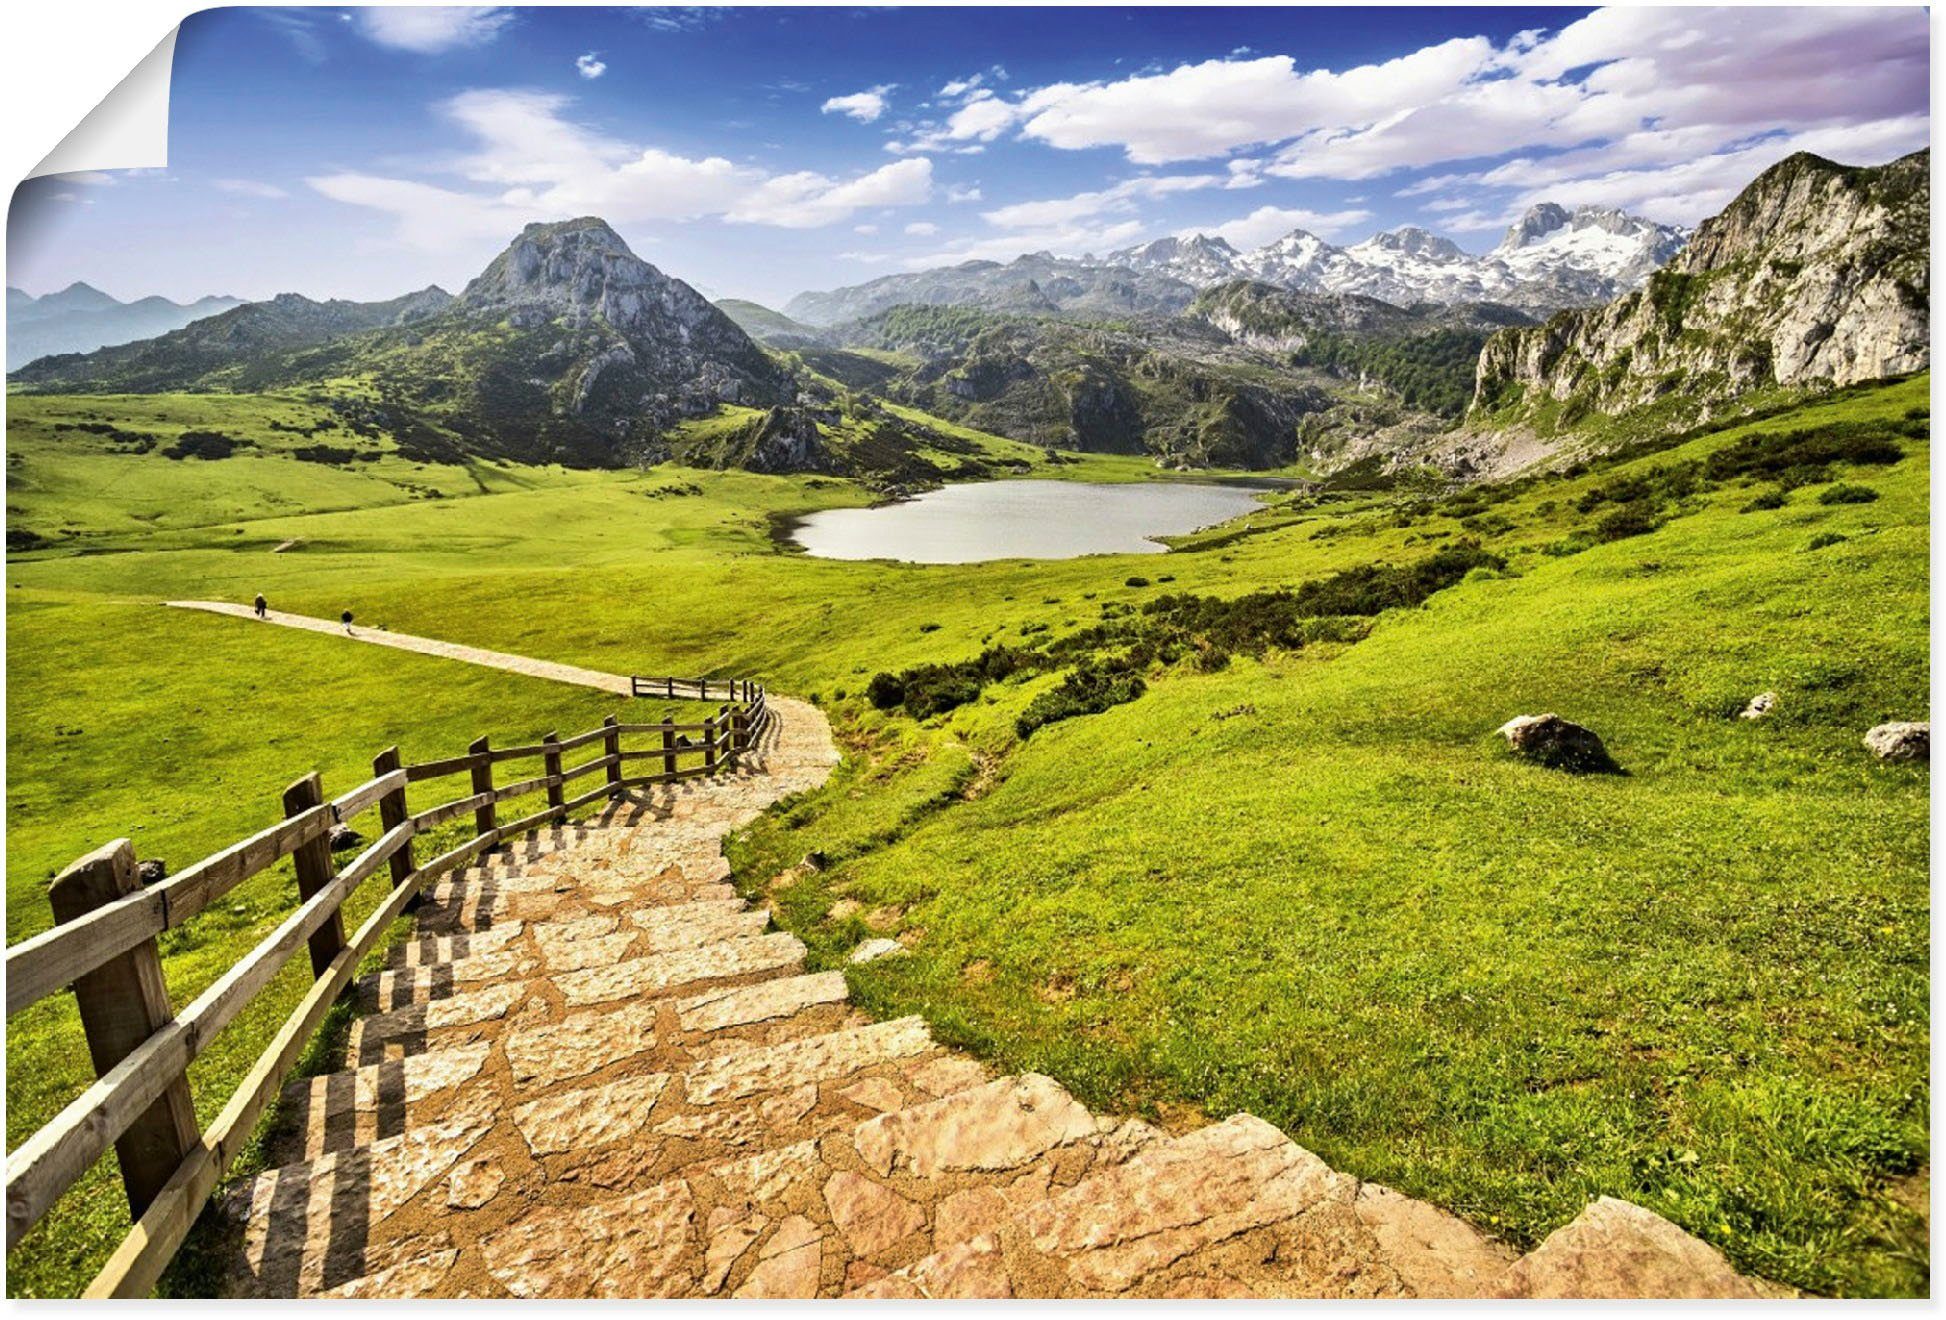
point(1307, 882)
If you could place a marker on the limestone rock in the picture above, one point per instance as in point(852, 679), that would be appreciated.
point(1118, 1228)
point(872, 1216)
point(595, 1116)
point(1760, 705)
point(1001, 1125)
point(971, 1269)
point(789, 1264)
point(1616, 1249)
point(633, 1246)
point(761, 1002)
point(1901, 741)
point(1435, 1254)
point(872, 950)
point(474, 1183)
point(818, 1058)
point(1556, 743)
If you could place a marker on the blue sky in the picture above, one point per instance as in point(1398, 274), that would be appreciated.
point(759, 152)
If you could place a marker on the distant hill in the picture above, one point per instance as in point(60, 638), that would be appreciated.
point(768, 327)
point(1037, 283)
point(567, 347)
point(81, 318)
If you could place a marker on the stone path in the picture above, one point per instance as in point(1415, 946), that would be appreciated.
point(596, 1072)
point(472, 655)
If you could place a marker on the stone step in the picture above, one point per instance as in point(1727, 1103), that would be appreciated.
point(661, 973)
point(409, 1030)
point(359, 1106)
point(809, 1061)
point(433, 950)
point(314, 1225)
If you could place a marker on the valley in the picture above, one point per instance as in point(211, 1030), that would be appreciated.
point(1226, 828)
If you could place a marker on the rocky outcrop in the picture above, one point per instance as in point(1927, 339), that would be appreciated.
point(1556, 743)
point(1816, 275)
point(787, 440)
point(1901, 741)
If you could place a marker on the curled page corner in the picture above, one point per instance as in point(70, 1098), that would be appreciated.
point(129, 129)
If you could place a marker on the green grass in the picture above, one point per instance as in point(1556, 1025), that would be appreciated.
point(1312, 886)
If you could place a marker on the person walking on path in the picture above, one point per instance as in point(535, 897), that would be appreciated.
point(262, 605)
point(346, 617)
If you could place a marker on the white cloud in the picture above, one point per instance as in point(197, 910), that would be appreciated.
point(1122, 197)
point(1598, 106)
point(864, 106)
point(532, 163)
point(922, 228)
point(588, 66)
point(867, 230)
point(432, 29)
point(967, 193)
point(1269, 223)
point(249, 188)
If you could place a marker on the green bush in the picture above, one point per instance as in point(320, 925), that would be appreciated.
point(1770, 499)
point(1090, 689)
point(1629, 520)
point(1844, 494)
point(1823, 539)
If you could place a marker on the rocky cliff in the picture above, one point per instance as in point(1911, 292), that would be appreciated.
point(1816, 275)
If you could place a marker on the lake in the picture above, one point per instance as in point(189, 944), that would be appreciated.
point(968, 523)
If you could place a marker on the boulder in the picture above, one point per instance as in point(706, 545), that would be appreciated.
point(1558, 744)
point(1760, 705)
point(151, 871)
point(871, 950)
point(1617, 1249)
point(344, 838)
point(1901, 741)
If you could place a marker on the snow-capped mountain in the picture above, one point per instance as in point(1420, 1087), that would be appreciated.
point(1551, 258)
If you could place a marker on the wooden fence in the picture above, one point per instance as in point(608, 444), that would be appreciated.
point(692, 689)
point(104, 945)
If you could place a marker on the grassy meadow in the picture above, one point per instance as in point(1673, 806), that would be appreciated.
point(1308, 883)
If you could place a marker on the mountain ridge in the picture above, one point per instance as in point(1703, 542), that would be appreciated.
point(81, 318)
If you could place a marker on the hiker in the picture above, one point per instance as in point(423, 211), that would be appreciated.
point(346, 617)
point(261, 605)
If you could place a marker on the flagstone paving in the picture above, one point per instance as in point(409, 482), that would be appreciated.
point(596, 1072)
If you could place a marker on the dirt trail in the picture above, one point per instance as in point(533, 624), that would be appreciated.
point(472, 655)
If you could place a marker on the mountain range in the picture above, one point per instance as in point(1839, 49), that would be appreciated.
point(81, 318)
point(569, 348)
point(1550, 259)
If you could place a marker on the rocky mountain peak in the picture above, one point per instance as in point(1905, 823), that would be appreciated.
point(1542, 218)
point(1412, 241)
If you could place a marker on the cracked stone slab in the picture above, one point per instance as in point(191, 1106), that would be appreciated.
point(414, 985)
point(1001, 1125)
point(965, 1270)
point(1117, 1228)
point(788, 1265)
point(579, 1045)
point(872, 1216)
point(768, 1174)
point(593, 1116)
point(450, 948)
point(741, 1005)
point(308, 1225)
point(353, 1102)
point(631, 1246)
point(825, 1058)
point(687, 925)
point(662, 972)
point(475, 1006)
point(411, 1278)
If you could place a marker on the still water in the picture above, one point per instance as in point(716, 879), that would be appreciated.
point(1021, 520)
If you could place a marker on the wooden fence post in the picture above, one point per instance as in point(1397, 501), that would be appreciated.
point(123, 1002)
point(668, 749)
point(313, 863)
point(391, 815)
point(709, 745)
point(484, 818)
point(672, 687)
point(551, 766)
point(611, 747)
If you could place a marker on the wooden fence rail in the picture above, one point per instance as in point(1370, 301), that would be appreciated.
point(104, 945)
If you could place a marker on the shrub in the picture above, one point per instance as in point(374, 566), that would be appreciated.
point(1770, 499)
point(1823, 539)
point(1090, 689)
point(1845, 494)
point(885, 691)
point(928, 627)
point(1629, 520)
point(1135, 582)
